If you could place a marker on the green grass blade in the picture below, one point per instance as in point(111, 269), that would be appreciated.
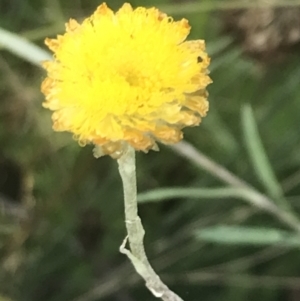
point(23, 48)
point(158, 195)
point(259, 158)
point(255, 236)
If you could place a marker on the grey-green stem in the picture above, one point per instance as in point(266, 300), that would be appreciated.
point(136, 232)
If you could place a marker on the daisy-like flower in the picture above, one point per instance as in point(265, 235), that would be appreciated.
point(126, 78)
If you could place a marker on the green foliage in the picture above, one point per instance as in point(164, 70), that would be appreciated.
point(209, 239)
point(259, 159)
point(253, 236)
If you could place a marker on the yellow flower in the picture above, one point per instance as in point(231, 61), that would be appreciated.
point(126, 78)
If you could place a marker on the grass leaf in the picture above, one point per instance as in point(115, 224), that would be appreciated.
point(259, 158)
point(23, 48)
point(256, 236)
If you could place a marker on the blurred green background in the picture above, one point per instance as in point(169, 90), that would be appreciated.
point(225, 227)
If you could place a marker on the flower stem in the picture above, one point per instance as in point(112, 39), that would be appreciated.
point(136, 232)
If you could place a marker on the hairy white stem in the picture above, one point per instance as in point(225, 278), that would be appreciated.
point(136, 232)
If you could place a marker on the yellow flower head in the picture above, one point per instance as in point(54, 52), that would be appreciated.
point(126, 78)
